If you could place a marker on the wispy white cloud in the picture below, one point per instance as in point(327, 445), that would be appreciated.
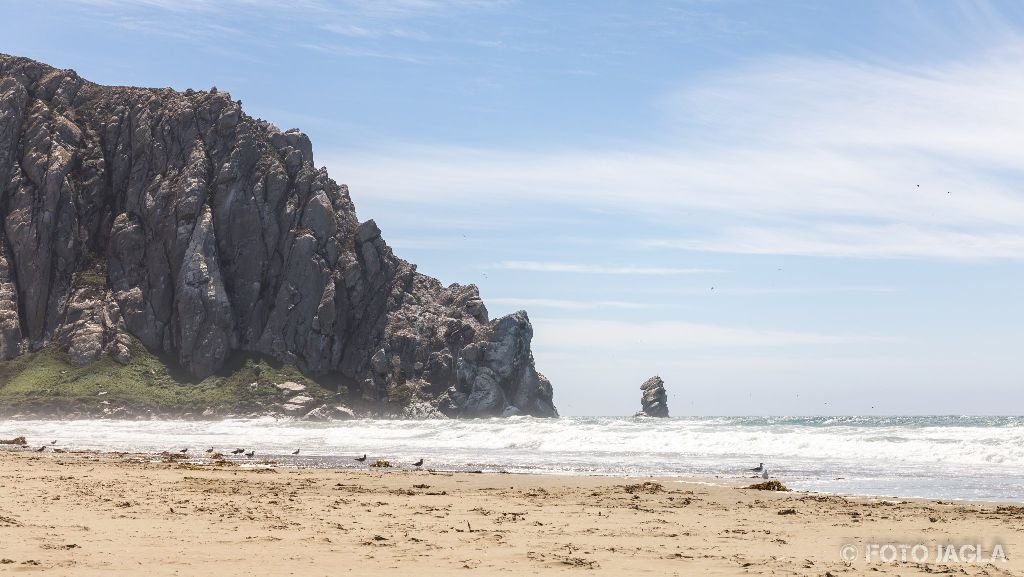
point(570, 305)
point(558, 334)
point(413, 8)
point(719, 289)
point(205, 30)
point(375, 8)
point(803, 156)
point(879, 241)
point(170, 5)
point(540, 266)
point(354, 19)
point(352, 51)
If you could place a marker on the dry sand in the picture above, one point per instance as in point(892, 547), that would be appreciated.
point(92, 514)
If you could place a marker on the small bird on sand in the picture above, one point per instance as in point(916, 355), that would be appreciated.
point(418, 463)
point(210, 450)
point(41, 449)
point(764, 475)
point(183, 451)
point(361, 459)
point(237, 451)
point(295, 452)
point(758, 468)
point(251, 454)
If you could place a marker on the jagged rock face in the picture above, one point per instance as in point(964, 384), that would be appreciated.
point(654, 399)
point(202, 232)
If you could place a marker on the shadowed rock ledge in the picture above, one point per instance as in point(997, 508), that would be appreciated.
point(175, 221)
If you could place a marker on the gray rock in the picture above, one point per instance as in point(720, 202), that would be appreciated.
point(654, 399)
point(321, 413)
point(294, 409)
point(178, 220)
point(342, 412)
point(497, 372)
point(421, 410)
point(301, 400)
point(290, 387)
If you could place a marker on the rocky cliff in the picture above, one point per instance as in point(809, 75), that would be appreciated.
point(653, 398)
point(174, 220)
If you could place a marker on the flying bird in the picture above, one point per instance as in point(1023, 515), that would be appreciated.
point(361, 459)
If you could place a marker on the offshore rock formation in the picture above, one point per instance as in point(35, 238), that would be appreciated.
point(175, 219)
point(654, 400)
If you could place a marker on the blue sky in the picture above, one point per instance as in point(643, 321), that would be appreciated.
point(845, 175)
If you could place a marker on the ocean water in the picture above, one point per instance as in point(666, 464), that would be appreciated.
point(977, 458)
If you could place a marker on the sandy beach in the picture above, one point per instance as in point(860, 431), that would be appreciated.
point(111, 513)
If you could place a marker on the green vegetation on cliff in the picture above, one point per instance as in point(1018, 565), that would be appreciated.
point(45, 381)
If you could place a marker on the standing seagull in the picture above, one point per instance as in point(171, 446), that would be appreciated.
point(764, 475)
point(361, 459)
point(418, 463)
point(183, 451)
point(53, 442)
point(237, 451)
point(41, 449)
point(295, 452)
point(210, 450)
point(251, 453)
point(758, 468)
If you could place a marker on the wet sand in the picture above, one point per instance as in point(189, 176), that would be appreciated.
point(109, 514)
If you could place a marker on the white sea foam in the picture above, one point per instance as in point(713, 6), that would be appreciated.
point(949, 457)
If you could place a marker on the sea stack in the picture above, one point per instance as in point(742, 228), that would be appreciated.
point(654, 399)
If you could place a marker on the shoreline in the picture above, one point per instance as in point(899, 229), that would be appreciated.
point(87, 512)
point(720, 481)
point(907, 460)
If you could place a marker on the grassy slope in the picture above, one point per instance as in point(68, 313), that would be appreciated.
point(45, 379)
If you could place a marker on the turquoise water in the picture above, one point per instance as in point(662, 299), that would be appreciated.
point(979, 458)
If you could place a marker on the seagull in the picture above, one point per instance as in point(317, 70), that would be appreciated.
point(41, 449)
point(418, 463)
point(765, 474)
point(295, 452)
point(210, 450)
point(183, 451)
point(758, 468)
point(237, 451)
point(251, 454)
point(361, 459)
point(53, 442)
